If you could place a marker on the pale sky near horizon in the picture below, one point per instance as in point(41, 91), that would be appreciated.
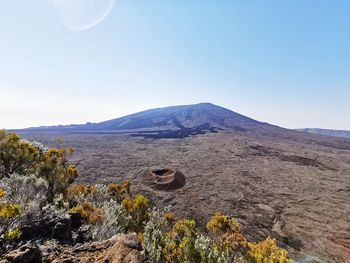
point(73, 61)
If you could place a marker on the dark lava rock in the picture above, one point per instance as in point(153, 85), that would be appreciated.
point(76, 220)
point(62, 231)
point(57, 227)
point(82, 234)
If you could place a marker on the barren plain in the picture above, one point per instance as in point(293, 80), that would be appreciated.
point(294, 187)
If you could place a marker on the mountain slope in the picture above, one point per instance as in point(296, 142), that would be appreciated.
point(328, 132)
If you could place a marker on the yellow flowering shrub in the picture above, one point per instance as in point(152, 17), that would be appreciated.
point(88, 212)
point(119, 191)
point(267, 251)
point(170, 217)
point(181, 243)
point(221, 224)
point(2, 193)
point(80, 189)
point(226, 231)
point(141, 237)
point(13, 234)
point(8, 211)
point(137, 207)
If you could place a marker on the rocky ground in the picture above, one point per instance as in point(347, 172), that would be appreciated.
point(60, 239)
point(293, 188)
point(118, 249)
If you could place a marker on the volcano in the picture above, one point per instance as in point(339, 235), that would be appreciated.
point(169, 122)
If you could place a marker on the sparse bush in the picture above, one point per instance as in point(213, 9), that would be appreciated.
point(29, 195)
point(98, 205)
point(31, 175)
point(28, 191)
point(9, 214)
point(208, 251)
point(154, 236)
point(39, 146)
point(56, 170)
point(96, 194)
point(115, 220)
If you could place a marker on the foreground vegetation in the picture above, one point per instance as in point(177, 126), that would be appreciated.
point(36, 181)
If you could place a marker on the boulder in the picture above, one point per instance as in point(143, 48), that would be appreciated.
point(126, 249)
point(121, 248)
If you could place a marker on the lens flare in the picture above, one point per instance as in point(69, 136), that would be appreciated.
point(82, 14)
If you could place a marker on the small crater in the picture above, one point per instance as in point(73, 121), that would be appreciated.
point(164, 179)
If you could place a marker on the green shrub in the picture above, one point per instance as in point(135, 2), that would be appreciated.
point(16, 155)
point(56, 170)
point(24, 158)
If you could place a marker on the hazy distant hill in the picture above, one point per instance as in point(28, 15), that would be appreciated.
point(327, 132)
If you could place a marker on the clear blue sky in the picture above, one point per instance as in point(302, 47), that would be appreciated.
point(283, 62)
